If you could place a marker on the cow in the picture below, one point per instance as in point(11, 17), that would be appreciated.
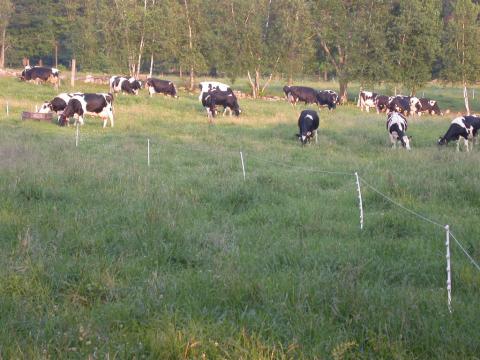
point(89, 104)
point(308, 123)
point(295, 94)
point(40, 74)
point(399, 103)
point(473, 121)
point(459, 128)
point(381, 103)
point(157, 86)
point(415, 105)
point(227, 99)
point(397, 129)
point(57, 104)
point(206, 86)
point(429, 106)
point(327, 98)
point(366, 100)
point(124, 85)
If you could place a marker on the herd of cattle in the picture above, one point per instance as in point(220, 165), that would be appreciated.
point(213, 94)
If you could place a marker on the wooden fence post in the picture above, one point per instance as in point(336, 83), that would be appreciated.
point(74, 70)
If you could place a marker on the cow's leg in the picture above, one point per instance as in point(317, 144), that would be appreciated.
point(104, 119)
point(316, 136)
point(110, 116)
point(151, 90)
point(80, 120)
point(224, 111)
point(465, 141)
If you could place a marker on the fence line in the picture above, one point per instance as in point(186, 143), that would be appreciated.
point(223, 152)
point(465, 252)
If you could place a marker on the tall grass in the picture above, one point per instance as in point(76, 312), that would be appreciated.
point(104, 256)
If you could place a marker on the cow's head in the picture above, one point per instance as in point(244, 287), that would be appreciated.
point(442, 141)
point(45, 108)
point(62, 120)
point(304, 137)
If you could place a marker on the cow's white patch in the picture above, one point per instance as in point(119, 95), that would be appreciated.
point(309, 116)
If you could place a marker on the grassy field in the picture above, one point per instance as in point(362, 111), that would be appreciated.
point(103, 257)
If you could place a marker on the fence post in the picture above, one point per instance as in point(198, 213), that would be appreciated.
point(76, 135)
point(449, 274)
point(7, 109)
point(243, 166)
point(148, 152)
point(360, 203)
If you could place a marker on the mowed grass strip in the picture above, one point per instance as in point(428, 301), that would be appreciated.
point(102, 255)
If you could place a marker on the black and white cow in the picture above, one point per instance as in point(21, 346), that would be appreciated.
point(459, 128)
point(227, 99)
point(206, 86)
point(57, 104)
point(157, 86)
point(429, 106)
point(381, 103)
point(124, 85)
point(308, 123)
point(89, 104)
point(40, 74)
point(397, 129)
point(327, 98)
point(366, 100)
point(399, 103)
point(473, 121)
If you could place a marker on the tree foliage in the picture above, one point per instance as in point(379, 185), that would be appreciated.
point(401, 42)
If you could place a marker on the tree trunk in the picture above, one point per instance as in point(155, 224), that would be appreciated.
point(151, 65)
point(190, 43)
point(465, 97)
point(290, 80)
point(343, 91)
point(56, 54)
point(325, 75)
point(180, 73)
point(2, 50)
point(252, 85)
point(192, 78)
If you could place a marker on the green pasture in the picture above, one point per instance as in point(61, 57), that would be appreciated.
point(104, 257)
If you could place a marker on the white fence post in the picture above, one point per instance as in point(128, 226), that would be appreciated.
point(148, 152)
point(449, 274)
point(7, 109)
point(36, 108)
point(360, 203)
point(243, 166)
point(76, 135)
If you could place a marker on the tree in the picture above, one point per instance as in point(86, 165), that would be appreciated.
point(6, 10)
point(341, 30)
point(415, 33)
point(462, 46)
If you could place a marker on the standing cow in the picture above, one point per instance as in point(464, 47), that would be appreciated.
point(366, 100)
point(40, 74)
point(89, 104)
point(397, 129)
point(157, 86)
point(305, 94)
point(206, 86)
point(308, 123)
point(124, 85)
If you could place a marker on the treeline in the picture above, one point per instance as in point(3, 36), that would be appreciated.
point(402, 42)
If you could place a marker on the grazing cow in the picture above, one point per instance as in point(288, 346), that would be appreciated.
point(157, 86)
point(206, 86)
point(473, 121)
point(366, 100)
point(89, 104)
point(300, 93)
point(40, 74)
point(381, 103)
point(459, 128)
point(415, 105)
point(430, 106)
point(57, 104)
point(327, 98)
point(397, 129)
point(308, 123)
point(399, 103)
point(227, 99)
point(124, 85)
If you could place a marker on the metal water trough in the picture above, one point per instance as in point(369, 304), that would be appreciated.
point(27, 115)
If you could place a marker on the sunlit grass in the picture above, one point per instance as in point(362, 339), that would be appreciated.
point(101, 255)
